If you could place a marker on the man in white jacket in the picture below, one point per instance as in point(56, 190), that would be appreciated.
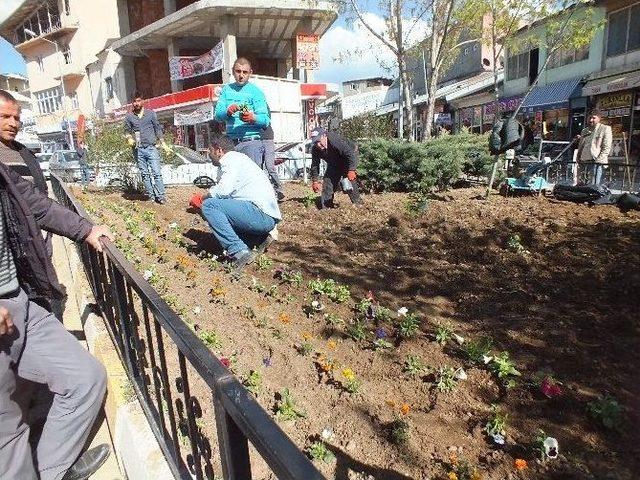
point(595, 145)
point(242, 208)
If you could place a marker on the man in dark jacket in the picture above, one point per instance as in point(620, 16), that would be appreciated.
point(342, 160)
point(34, 345)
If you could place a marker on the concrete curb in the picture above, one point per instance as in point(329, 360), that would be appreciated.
point(136, 449)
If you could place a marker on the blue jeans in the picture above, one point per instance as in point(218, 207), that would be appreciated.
point(597, 173)
point(231, 219)
point(149, 165)
point(254, 149)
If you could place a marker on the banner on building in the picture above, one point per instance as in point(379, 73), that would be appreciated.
point(307, 51)
point(187, 67)
point(615, 105)
point(202, 114)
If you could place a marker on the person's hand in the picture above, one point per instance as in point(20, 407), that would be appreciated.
point(165, 147)
point(351, 175)
point(131, 142)
point(196, 201)
point(316, 186)
point(6, 322)
point(231, 109)
point(248, 117)
point(98, 231)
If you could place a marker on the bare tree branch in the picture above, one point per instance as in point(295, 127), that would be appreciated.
point(373, 32)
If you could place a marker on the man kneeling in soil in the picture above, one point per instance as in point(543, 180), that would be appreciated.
point(241, 208)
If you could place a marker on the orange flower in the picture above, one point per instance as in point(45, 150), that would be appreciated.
point(453, 459)
point(307, 336)
point(331, 344)
point(391, 403)
point(520, 464)
point(404, 408)
point(284, 317)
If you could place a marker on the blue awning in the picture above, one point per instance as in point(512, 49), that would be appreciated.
point(554, 94)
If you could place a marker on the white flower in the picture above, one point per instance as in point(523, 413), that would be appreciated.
point(460, 374)
point(197, 310)
point(148, 274)
point(316, 305)
point(327, 434)
point(498, 439)
point(173, 225)
point(458, 338)
point(402, 311)
point(486, 359)
point(551, 447)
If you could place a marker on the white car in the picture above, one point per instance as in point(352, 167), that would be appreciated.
point(292, 159)
point(43, 161)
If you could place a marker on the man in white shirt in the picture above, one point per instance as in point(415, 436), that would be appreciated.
point(595, 145)
point(242, 208)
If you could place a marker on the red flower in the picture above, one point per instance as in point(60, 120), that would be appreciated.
point(225, 361)
point(550, 388)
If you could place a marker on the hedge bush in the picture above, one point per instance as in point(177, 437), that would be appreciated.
point(392, 165)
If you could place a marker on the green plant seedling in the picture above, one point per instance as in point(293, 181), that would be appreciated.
point(497, 423)
point(305, 349)
point(477, 350)
point(318, 451)
point(444, 333)
point(310, 200)
point(514, 243)
point(446, 379)
point(253, 382)
point(264, 262)
point(414, 366)
point(382, 344)
point(333, 320)
point(408, 325)
point(286, 408)
point(210, 339)
point(399, 431)
point(357, 330)
point(608, 411)
point(505, 369)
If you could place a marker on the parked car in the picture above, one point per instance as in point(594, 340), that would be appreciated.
point(292, 159)
point(43, 161)
point(70, 167)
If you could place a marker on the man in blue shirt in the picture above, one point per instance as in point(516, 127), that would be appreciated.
point(143, 133)
point(243, 107)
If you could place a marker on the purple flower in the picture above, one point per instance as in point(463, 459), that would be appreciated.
point(381, 333)
point(266, 361)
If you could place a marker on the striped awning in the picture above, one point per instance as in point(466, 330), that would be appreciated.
point(556, 93)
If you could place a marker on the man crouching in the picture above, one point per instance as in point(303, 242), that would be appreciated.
point(241, 208)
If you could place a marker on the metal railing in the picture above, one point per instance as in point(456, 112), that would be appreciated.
point(170, 368)
point(616, 176)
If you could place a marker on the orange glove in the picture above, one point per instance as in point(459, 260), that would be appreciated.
point(316, 186)
point(351, 175)
point(196, 201)
point(248, 117)
point(231, 109)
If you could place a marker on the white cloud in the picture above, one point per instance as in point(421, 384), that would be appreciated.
point(350, 51)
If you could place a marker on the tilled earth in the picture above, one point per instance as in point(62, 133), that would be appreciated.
point(554, 284)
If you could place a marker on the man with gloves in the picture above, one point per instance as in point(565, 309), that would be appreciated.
point(243, 108)
point(241, 208)
point(342, 160)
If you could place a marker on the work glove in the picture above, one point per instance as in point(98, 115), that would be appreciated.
point(351, 175)
point(131, 142)
point(248, 117)
point(316, 186)
point(231, 109)
point(165, 147)
point(196, 201)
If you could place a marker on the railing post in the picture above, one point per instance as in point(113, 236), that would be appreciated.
point(233, 445)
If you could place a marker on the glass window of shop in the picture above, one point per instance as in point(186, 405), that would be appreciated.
point(555, 124)
point(617, 112)
point(634, 140)
point(477, 120)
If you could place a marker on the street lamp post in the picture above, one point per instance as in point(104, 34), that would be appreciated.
point(32, 34)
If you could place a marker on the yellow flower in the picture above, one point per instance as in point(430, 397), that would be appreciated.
point(404, 408)
point(331, 344)
point(284, 317)
point(520, 464)
point(476, 475)
point(307, 336)
point(391, 404)
point(453, 476)
point(348, 374)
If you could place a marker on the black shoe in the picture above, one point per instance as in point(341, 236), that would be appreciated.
point(243, 259)
point(88, 463)
point(281, 197)
point(161, 201)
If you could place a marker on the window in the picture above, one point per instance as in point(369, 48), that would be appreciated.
point(518, 66)
point(74, 100)
point(564, 56)
point(66, 7)
point(623, 34)
point(66, 54)
point(108, 86)
point(49, 100)
point(40, 64)
point(43, 21)
point(353, 86)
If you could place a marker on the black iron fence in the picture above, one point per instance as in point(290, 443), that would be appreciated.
point(187, 394)
point(616, 176)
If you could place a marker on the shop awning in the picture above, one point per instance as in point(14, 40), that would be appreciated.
point(556, 93)
point(614, 83)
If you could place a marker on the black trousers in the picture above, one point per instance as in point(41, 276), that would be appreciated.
point(331, 184)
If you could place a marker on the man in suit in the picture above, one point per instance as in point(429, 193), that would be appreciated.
point(595, 145)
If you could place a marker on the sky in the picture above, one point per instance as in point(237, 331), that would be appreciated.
point(10, 60)
point(347, 51)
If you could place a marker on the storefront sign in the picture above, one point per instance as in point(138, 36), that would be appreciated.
point(202, 114)
point(312, 119)
point(307, 52)
point(506, 105)
point(621, 83)
point(187, 67)
point(442, 119)
point(615, 104)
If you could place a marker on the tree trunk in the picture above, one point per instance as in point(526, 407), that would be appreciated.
point(431, 103)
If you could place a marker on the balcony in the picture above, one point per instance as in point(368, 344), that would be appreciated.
point(52, 33)
point(69, 69)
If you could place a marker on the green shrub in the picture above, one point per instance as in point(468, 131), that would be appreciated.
point(391, 165)
point(367, 125)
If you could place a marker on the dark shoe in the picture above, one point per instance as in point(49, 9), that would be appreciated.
point(244, 258)
point(281, 197)
point(271, 237)
point(88, 463)
point(161, 201)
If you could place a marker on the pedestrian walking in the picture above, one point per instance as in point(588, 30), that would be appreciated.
point(143, 132)
point(342, 160)
point(243, 108)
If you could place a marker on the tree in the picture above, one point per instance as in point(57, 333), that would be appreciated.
point(401, 19)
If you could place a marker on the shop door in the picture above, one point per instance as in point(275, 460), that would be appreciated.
point(577, 122)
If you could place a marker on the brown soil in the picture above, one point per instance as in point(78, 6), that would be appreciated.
point(567, 304)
